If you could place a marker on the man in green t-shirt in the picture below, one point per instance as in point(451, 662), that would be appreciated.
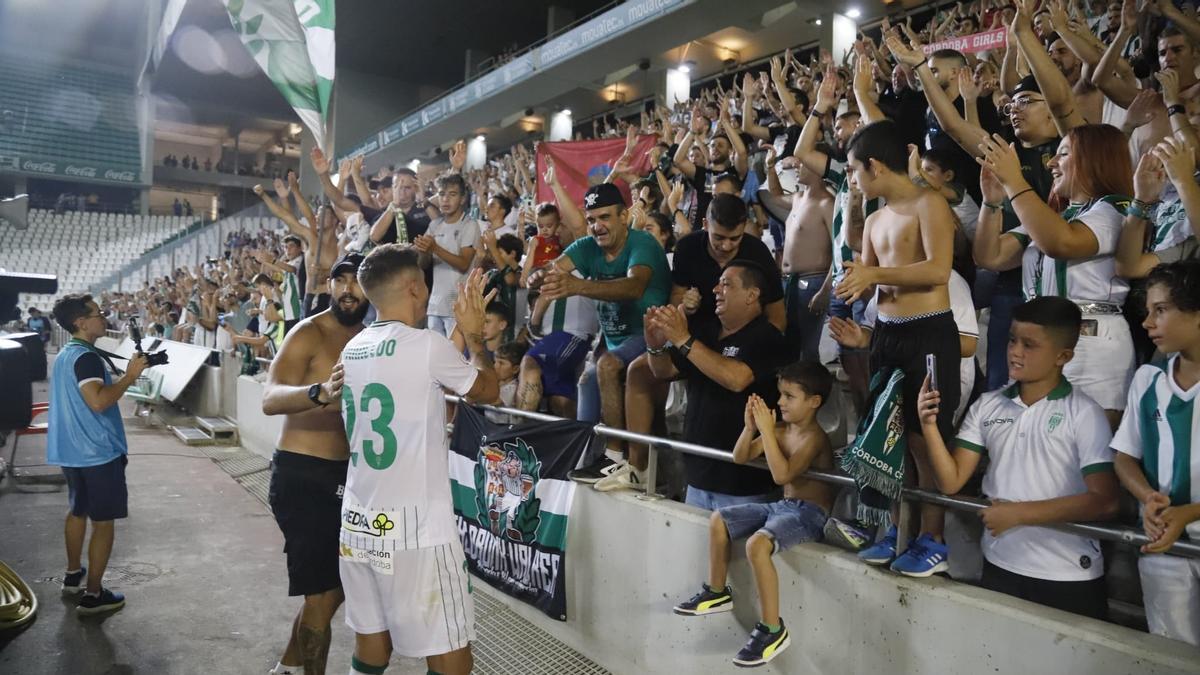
point(626, 272)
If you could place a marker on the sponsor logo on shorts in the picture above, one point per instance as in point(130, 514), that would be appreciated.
point(380, 561)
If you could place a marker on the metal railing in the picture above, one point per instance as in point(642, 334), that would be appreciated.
point(1115, 533)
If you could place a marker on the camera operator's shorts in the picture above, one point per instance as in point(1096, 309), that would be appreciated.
point(98, 492)
point(421, 596)
point(306, 497)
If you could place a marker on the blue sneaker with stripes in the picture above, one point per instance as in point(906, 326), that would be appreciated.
point(881, 552)
point(926, 556)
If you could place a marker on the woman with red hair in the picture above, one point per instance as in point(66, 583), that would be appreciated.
point(1067, 247)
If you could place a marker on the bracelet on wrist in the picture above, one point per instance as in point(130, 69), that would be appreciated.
point(1176, 109)
point(1013, 198)
point(652, 351)
point(994, 207)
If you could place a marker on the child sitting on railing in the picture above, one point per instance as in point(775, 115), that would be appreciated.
point(791, 447)
point(1050, 463)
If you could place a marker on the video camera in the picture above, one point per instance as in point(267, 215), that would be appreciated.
point(158, 358)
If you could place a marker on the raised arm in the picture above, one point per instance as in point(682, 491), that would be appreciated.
point(283, 214)
point(993, 249)
point(572, 216)
point(1120, 90)
point(815, 160)
point(749, 121)
point(967, 135)
point(740, 155)
point(864, 88)
point(696, 130)
point(361, 187)
point(320, 164)
point(1056, 237)
point(1051, 81)
point(950, 471)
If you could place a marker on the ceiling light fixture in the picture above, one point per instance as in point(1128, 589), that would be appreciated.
point(853, 13)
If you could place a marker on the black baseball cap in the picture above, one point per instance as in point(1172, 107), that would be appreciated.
point(602, 195)
point(347, 264)
point(1027, 83)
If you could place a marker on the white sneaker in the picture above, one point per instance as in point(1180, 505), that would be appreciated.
point(623, 477)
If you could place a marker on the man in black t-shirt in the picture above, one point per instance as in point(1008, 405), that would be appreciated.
point(699, 260)
point(404, 201)
point(722, 148)
point(724, 362)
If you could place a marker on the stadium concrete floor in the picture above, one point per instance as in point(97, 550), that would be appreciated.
point(199, 559)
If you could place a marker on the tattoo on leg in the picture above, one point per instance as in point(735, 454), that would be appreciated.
point(531, 395)
point(314, 648)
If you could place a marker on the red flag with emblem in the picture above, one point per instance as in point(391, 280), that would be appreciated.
point(581, 164)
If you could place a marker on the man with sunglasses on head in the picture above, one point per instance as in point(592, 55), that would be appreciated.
point(86, 437)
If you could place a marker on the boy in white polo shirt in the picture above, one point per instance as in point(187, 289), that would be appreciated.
point(1050, 463)
point(1154, 450)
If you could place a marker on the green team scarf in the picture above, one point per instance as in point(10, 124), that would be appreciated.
point(876, 458)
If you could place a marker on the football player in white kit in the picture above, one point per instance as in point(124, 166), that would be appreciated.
point(402, 564)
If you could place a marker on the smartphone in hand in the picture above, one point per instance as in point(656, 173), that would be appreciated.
point(931, 371)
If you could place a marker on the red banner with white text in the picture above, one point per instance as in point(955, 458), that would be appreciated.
point(582, 164)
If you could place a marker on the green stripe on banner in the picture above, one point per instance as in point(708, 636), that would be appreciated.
point(552, 529)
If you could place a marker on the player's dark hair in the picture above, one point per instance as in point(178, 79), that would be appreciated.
point(384, 264)
point(1059, 316)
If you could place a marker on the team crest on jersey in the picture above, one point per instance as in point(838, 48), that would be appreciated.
point(505, 478)
point(1055, 420)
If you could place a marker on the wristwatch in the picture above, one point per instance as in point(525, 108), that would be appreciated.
point(686, 347)
point(314, 395)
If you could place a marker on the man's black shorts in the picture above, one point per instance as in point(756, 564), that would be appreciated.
point(98, 492)
point(306, 497)
point(903, 343)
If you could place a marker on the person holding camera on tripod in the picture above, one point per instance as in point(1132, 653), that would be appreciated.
point(86, 437)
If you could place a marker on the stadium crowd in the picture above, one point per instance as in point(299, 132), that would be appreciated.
point(887, 196)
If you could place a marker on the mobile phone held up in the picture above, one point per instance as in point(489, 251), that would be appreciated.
point(931, 371)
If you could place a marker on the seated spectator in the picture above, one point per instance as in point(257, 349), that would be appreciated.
point(1154, 456)
point(626, 272)
point(699, 260)
point(724, 362)
point(792, 445)
point(1049, 462)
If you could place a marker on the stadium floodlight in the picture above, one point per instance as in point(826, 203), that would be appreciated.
point(853, 13)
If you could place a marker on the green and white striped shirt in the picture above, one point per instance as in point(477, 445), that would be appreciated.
point(292, 294)
point(1160, 428)
point(1091, 279)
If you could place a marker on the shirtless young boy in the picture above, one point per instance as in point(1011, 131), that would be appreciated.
point(906, 255)
point(308, 471)
point(791, 448)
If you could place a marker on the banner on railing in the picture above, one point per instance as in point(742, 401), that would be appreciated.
point(977, 42)
point(512, 499)
point(582, 164)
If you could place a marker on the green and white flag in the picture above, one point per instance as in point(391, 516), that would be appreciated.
point(292, 41)
point(512, 500)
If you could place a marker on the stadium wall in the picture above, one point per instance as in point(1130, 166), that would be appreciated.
point(629, 560)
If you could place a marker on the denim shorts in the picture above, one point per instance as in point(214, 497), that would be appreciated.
point(787, 521)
